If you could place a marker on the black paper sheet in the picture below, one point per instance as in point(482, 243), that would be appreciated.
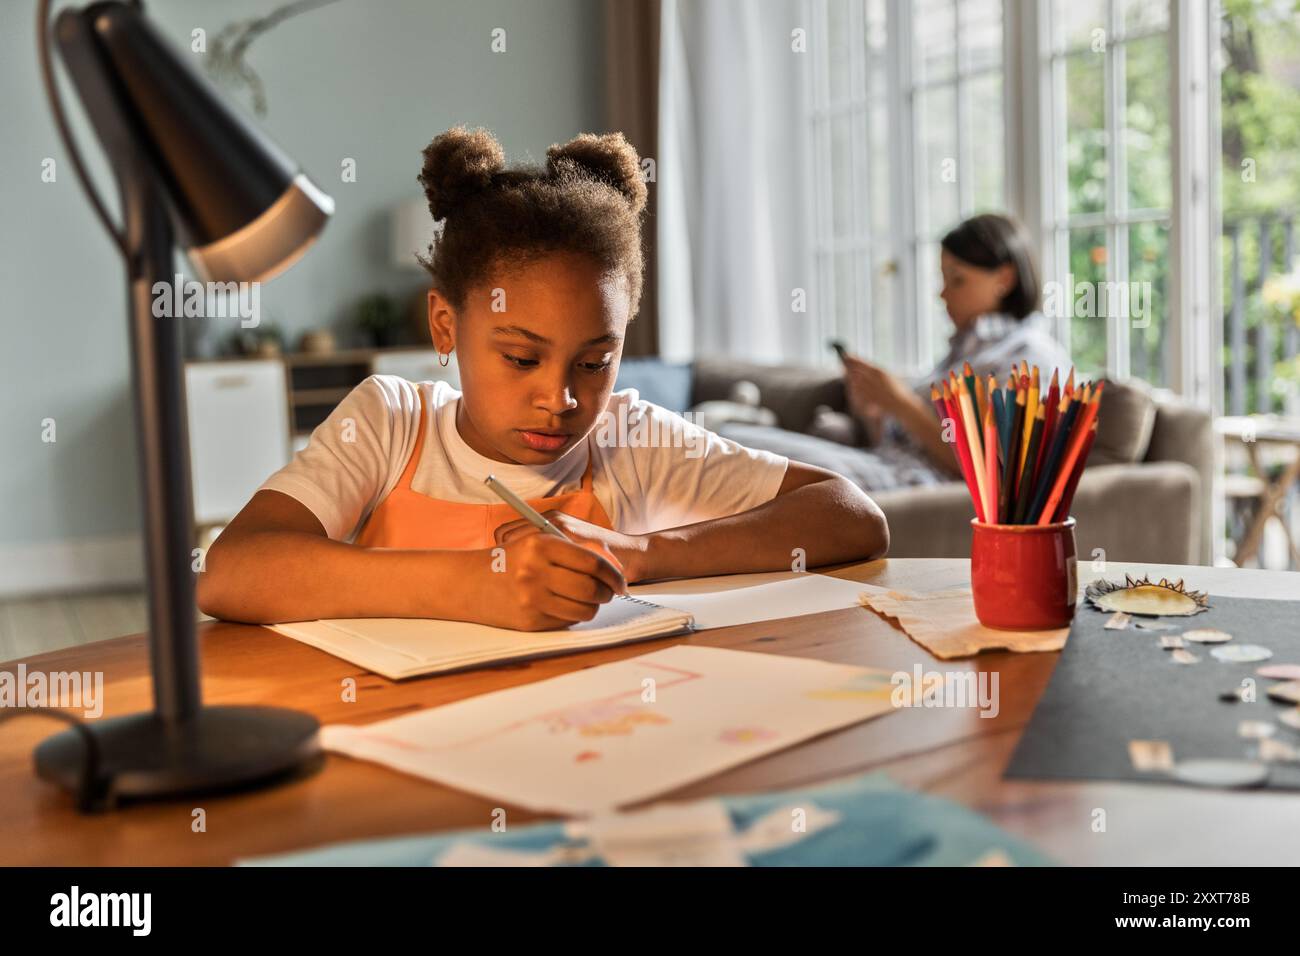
point(1110, 687)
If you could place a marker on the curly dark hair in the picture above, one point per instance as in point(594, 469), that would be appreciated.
point(588, 201)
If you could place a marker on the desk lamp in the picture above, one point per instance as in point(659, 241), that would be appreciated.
point(187, 169)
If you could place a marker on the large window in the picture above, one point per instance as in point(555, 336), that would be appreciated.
point(856, 248)
point(956, 117)
point(1088, 119)
point(1110, 186)
point(907, 133)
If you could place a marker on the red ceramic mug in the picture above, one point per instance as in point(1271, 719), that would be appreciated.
point(1023, 577)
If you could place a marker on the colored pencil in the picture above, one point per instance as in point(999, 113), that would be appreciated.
point(1075, 435)
point(999, 419)
point(1030, 384)
point(1002, 417)
point(990, 463)
point(1066, 415)
point(945, 415)
point(973, 441)
point(963, 438)
point(969, 376)
point(1063, 510)
point(1025, 489)
point(1021, 451)
point(1049, 423)
point(936, 399)
point(1083, 429)
point(953, 416)
point(1011, 461)
point(1009, 403)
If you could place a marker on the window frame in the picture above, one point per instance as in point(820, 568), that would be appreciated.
point(913, 341)
point(1034, 183)
point(1194, 307)
point(921, 354)
point(872, 252)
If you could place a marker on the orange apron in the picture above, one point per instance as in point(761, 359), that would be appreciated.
point(408, 519)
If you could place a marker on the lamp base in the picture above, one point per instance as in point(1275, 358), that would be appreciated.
point(222, 748)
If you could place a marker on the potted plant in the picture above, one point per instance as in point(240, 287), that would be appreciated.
point(266, 340)
point(379, 319)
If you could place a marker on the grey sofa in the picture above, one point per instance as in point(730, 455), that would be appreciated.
point(1143, 497)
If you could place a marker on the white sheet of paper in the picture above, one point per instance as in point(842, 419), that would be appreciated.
point(619, 733)
point(405, 647)
point(745, 598)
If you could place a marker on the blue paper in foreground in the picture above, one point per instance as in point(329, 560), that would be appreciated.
point(880, 825)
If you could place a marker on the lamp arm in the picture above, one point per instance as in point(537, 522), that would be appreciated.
point(146, 240)
point(61, 122)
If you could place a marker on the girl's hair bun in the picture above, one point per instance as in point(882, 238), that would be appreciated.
point(458, 164)
point(609, 158)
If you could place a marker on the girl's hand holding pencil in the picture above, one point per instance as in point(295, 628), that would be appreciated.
point(547, 583)
point(623, 550)
point(560, 570)
point(1020, 450)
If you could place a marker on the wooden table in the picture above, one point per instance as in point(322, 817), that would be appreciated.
point(953, 753)
point(1278, 433)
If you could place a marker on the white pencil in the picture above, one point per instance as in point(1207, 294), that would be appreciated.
point(524, 508)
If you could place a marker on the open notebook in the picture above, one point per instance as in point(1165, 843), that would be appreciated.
point(406, 647)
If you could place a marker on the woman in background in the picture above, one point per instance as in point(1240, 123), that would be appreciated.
point(991, 290)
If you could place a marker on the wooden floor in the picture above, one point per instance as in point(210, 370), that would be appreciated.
point(38, 624)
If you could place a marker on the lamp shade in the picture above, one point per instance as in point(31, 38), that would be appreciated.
point(241, 208)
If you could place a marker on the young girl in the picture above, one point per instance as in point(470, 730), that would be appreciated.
point(536, 274)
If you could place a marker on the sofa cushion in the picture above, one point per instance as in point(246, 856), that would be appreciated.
point(792, 391)
point(1124, 424)
point(869, 469)
point(666, 384)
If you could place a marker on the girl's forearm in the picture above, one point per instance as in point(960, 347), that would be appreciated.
point(832, 521)
point(266, 577)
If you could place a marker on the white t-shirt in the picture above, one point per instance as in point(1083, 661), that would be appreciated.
point(653, 469)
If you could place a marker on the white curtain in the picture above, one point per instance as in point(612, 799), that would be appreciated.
point(735, 196)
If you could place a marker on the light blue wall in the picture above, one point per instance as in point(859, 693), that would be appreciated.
point(373, 80)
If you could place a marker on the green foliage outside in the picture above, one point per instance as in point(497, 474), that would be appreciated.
point(1260, 116)
point(1261, 174)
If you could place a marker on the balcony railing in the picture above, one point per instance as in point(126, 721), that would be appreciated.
point(1256, 338)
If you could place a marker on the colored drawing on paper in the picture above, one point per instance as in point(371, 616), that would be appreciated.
point(746, 735)
point(873, 685)
point(604, 719)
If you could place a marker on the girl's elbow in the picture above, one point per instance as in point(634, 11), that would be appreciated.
point(216, 590)
point(208, 597)
point(877, 533)
point(220, 603)
point(871, 529)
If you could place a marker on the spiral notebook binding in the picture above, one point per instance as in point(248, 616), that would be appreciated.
point(641, 601)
